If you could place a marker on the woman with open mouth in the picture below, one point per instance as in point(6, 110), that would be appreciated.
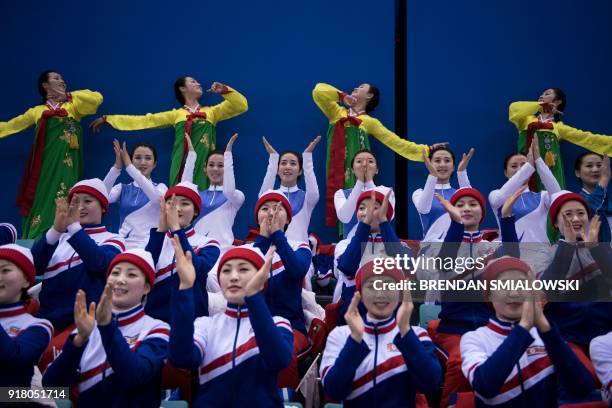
point(543, 119)
point(115, 356)
point(379, 360)
point(55, 163)
point(138, 200)
point(519, 359)
point(199, 122)
point(349, 131)
point(23, 337)
point(587, 313)
point(289, 167)
point(238, 354)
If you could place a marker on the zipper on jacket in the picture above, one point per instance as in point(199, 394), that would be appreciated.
point(236, 338)
point(375, 358)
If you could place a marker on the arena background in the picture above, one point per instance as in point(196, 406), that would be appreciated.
point(465, 61)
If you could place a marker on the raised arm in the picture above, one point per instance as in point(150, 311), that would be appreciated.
point(271, 170)
point(498, 197)
point(419, 356)
point(348, 261)
point(135, 368)
point(485, 373)
point(312, 188)
point(185, 349)
point(550, 182)
point(296, 262)
point(462, 175)
point(327, 98)
point(403, 147)
point(86, 102)
point(139, 122)
point(233, 105)
point(26, 348)
point(274, 336)
point(594, 142)
point(95, 257)
point(64, 370)
point(190, 161)
point(520, 112)
point(229, 180)
point(346, 206)
point(152, 192)
point(341, 358)
point(423, 198)
point(18, 123)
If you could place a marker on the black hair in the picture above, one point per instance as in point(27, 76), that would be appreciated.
point(511, 155)
point(177, 89)
point(25, 296)
point(580, 158)
point(440, 148)
point(216, 151)
point(559, 96)
point(363, 151)
point(42, 79)
point(148, 146)
point(373, 102)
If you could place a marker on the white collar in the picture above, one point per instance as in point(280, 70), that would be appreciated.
point(443, 186)
point(192, 110)
point(291, 189)
point(215, 188)
point(369, 185)
point(354, 113)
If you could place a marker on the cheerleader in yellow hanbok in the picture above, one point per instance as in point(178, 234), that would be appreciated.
point(542, 118)
point(349, 131)
point(199, 122)
point(55, 162)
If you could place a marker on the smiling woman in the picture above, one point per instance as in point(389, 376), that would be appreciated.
point(118, 336)
point(138, 200)
point(55, 161)
point(288, 167)
point(197, 122)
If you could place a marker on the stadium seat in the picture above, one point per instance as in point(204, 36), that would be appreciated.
point(293, 405)
point(176, 378)
point(428, 312)
point(63, 403)
point(174, 404)
point(26, 243)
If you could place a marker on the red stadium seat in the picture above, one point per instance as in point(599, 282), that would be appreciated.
point(332, 312)
point(180, 378)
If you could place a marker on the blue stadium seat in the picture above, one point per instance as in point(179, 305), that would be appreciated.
point(428, 312)
point(26, 243)
point(174, 404)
